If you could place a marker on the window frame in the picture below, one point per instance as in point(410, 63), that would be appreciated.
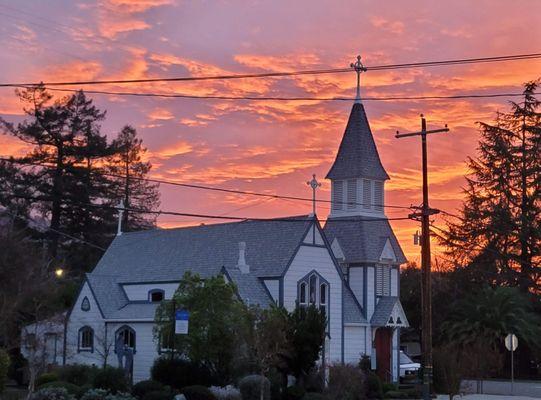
point(155, 291)
point(130, 330)
point(319, 282)
point(82, 331)
point(85, 304)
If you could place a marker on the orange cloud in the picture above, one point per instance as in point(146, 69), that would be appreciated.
point(160, 114)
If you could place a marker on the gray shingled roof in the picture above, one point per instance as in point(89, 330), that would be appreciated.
point(352, 310)
point(383, 311)
point(362, 239)
point(357, 155)
point(166, 254)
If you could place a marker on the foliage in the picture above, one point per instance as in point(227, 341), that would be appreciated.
point(102, 394)
point(388, 387)
point(157, 395)
point(374, 387)
point(346, 382)
point(46, 378)
point(111, 379)
point(216, 315)
point(396, 394)
point(314, 381)
point(198, 392)
point(250, 387)
point(314, 396)
point(4, 366)
point(143, 387)
point(294, 393)
point(226, 393)
point(53, 393)
point(448, 370)
point(69, 387)
point(365, 364)
point(498, 237)
point(178, 373)
point(78, 374)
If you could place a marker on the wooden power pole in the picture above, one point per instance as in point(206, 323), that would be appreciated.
point(426, 289)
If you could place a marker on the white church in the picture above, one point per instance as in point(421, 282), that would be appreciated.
point(349, 268)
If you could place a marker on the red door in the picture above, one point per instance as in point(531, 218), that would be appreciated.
point(383, 353)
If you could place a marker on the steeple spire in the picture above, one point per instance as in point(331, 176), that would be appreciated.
point(358, 67)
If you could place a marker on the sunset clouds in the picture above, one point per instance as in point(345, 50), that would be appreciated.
point(268, 145)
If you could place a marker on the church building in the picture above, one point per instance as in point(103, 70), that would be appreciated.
point(350, 268)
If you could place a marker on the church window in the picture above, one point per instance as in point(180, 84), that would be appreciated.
point(367, 193)
point(156, 295)
point(337, 195)
point(302, 294)
point(86, 339)
point(378, 195)
point(314, 290)
point(85, 304)
point(126, 337)
point(323, 298)
point(352, 194)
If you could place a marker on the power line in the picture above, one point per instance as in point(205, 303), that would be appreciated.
point(203, 187)
point(516, 57)
point(277, 98)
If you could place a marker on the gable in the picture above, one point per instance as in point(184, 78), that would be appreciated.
point(313, 236)
point(86, 306)
point(337, 250)
point(387, 253)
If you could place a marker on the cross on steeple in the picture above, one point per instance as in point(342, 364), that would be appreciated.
point(358, 67)
point(120, 209)
point(314, 184)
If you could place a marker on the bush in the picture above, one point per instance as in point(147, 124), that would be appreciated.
point(389, 387)
point(158, 395)
point(4, 367)
point(52, 393)
point(346, 382)
point(179, 373)
point(46, 378)
point(77, 374)
point(112, 379)
point(365, 364)
point(102, 394)
point(396, 394)
point(314, 396)
point(143, 387)
point(314, 381)
point(70, 387)
point(374, 386)
point(225, 393)
point(294, 393)
point(198, 392)
point(250, 388)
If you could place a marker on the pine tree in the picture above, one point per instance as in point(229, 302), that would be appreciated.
point(498, 236)
point(137, 194)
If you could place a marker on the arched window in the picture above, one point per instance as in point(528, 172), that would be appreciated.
point(125, 337)
point(314, 290)
point(85, 304)
point(156, 295)
point(86, 339)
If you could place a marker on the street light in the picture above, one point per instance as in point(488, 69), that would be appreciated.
point(59, 272)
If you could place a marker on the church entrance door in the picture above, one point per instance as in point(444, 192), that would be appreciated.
point(383, 353)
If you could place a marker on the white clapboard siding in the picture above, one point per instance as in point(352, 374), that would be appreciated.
point(146, 349)
point(139, 292)
point(370, 295)
point(77, 320)
point(356, 283)
point(307, 259)
point(354, 339)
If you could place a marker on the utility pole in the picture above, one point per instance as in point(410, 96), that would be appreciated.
point(426, 289)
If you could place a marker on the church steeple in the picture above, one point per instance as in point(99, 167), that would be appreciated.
point(357, 174)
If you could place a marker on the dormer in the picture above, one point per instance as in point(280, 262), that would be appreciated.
point(357, 175)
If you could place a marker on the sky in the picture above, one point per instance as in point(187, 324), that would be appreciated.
point(270, 146)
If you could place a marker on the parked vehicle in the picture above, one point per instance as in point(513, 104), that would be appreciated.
point(407, 366)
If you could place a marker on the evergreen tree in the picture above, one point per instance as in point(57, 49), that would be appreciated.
point(127, 163)
point(499, 233)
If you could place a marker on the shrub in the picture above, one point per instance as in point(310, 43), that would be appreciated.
point(250, 388)
point(225, 393)
point(389, 387)
point(120, 396)
point(158, 395)
point(95, 394)
point(46, 378)
point(70, 387)
point(179, 373)
point(314, 396)
point(198, 392)
point(143, 387)
point(314, 381)
point(4, 367)
point(346, 382)
point(112, 379)
point(77, 374)
point(294, 393)
point(396, 394)
point(374, 386)
point(52, 393)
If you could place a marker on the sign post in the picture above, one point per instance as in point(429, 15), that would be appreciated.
point(511, 343)
point(181, 322)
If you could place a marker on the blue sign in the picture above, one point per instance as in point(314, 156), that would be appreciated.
point(181, 322)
